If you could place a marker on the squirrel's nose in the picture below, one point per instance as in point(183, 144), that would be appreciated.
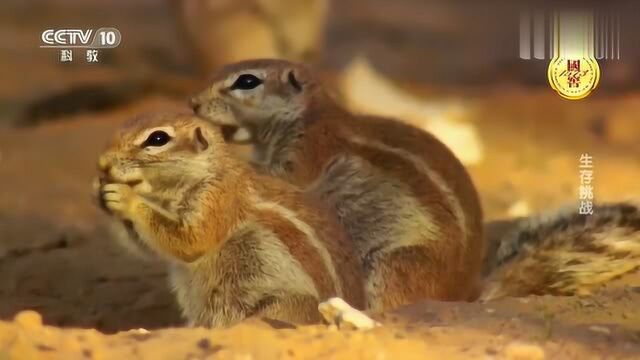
point(195, 104)
point(104, 164)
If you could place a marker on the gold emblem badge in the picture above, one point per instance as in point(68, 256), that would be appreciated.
point(573, 79)
point(573, 71)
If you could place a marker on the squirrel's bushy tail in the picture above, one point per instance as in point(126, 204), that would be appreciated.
point(566, 254)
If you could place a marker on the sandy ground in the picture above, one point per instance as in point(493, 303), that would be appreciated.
point(511, 329)
point(57, 259)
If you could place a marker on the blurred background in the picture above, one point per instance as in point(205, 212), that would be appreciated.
point(427, 41)
point(449, 67)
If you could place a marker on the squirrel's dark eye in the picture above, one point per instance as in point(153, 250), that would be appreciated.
point(246, 82)
point(157, 138)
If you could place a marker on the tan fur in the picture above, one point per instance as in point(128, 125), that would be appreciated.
point(239, 244)
point(223, 31)
point(403, 197)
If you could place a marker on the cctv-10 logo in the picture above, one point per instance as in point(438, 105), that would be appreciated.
point(76, 38)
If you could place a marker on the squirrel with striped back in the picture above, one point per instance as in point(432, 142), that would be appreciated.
point(238, 244)
point(404, 199)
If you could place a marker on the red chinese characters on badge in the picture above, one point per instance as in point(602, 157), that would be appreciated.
point(573, 73)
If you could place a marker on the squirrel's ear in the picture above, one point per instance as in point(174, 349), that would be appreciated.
point(200, 142)
point(292, 79)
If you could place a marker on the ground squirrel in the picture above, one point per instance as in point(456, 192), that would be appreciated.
point(238, 243)
point(405, 200)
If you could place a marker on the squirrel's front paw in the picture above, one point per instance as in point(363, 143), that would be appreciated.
point(119, 199)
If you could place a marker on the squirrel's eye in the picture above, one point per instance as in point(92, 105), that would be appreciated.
point(157, 138)
point(246, 82)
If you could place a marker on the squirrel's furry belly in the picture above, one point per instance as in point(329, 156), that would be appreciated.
point(239, 280)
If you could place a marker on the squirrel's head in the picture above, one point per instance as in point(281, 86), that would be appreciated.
point(251, 93)
point(166, 152)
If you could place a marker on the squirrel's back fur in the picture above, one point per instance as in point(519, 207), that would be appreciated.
point(566, 253)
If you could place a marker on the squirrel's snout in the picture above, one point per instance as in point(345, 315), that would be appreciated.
point(195, 104)
point(113, 170)
point(107, 168)
point(104, 165)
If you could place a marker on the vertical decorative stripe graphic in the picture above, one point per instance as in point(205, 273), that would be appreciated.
point(525, 35)
point(552, 44)
point(539, 34)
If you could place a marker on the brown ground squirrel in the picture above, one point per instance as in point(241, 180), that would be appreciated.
point(566, 253)
point(403, 197)
point(239, 244)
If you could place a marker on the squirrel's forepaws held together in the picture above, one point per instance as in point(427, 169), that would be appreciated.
point(119, 199)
